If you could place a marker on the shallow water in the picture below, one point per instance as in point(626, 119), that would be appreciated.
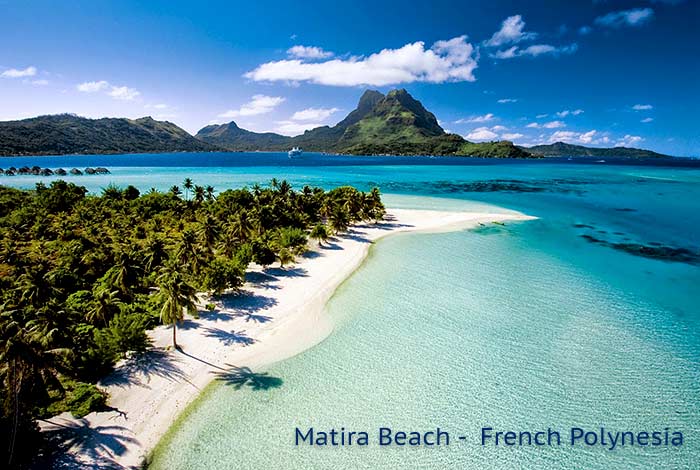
point(521, 327)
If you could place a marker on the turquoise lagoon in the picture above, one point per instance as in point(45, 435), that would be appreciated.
point(554, 323)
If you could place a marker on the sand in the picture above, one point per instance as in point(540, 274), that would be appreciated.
point(278, 313)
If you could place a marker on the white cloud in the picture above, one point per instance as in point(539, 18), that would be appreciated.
point(511, 32)
point(584, 30)
point(642, 107)
point(448, 61)
point(506, 54)
point(16, 73)
point(590, 137)
point(646, 120)
point(540, 116)
point(259, 104)
point(535, 50)
point(499, 128)
point(295, 128)
point(633, 17)
point(123, 93)
point(308, 52)
point(481, 133)
point(507, 100)
point(566, 112)
point(484, 118)
point(93, 87)
point(628, 141)
point(533, 125)
point(314, 114)
point(512, 136)
point(40, 82)
point(553, 124)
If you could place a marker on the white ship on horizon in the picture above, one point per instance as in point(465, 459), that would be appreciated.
point(295, 152)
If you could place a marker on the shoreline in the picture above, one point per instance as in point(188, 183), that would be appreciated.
point(278, 314)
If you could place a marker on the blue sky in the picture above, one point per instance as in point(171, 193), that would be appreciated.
point(598, 73)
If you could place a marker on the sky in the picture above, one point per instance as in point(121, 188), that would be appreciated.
point(592, 72)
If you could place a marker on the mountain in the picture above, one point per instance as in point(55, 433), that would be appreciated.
point(233, 137)
point(561, 149)
point(395, 124)
point(67, 134)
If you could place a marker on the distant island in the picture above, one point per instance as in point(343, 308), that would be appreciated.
point(562, 149)
point(391, 124)
point(63, 134)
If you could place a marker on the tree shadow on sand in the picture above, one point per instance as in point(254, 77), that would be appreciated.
point(77, 445)
point(153, 363)
point(296, 271)
point(247, 302)
point(229, 338)
point(240, 377)
point(255, 318)
point(262, 280)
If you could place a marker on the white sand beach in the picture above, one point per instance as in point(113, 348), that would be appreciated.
point(278, 313)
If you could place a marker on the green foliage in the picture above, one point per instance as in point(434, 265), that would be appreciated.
point(502, 149)
point(79, 398)
point(320, 232)
point(125, 333)
point(262, 252)
point(561, 149)
point(291, 238)
point(68, 134)
point(83, 277)
point(222, 274)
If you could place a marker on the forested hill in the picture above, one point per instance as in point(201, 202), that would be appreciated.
point(68, 134)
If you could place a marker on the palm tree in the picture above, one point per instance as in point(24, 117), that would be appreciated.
point(175, 190)
point(208, 232)
point(125, 273)
point(106, 304)
point(320, 233)
point(285, 256)
point(187, 184)
point(339, 219)
point(199, 194)
point(35, 286)
point(176, 297)
point(241, 226)
point(29, 365)
point(188, 251)
point(210, 193)
point(154, 253)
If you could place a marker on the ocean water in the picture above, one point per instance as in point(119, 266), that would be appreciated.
point(554, 323)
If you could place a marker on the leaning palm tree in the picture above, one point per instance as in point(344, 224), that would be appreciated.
point(176, 296)
point(285, 257)
point(320, 233)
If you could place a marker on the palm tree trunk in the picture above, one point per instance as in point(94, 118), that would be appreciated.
point(174, 336)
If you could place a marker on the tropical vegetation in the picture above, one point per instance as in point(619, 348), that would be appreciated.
point(83, 277)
